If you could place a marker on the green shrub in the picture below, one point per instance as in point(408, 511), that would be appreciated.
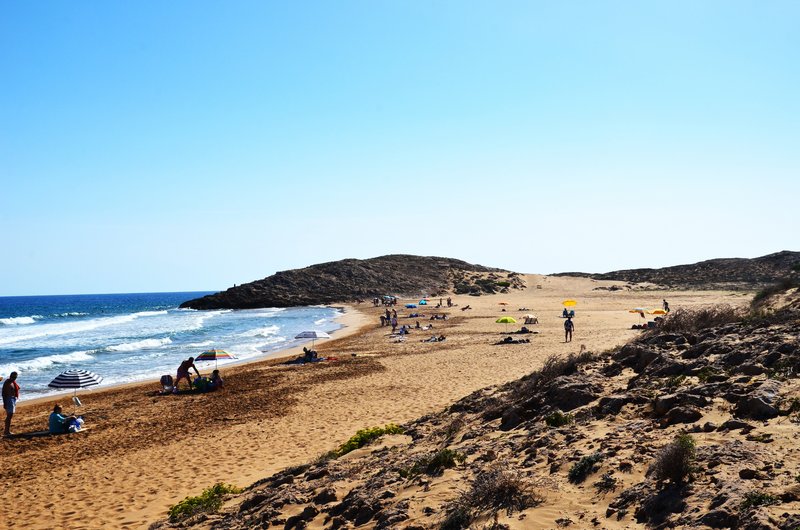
point(208, 501)
point(754, 499)
point(583, 467)
point(558, 419)
point(503, 284)
point(365, 436)
point(435, 464)
point(675, 461)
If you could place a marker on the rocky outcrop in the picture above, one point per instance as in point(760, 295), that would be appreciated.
point(728, 273)
point(353, 279)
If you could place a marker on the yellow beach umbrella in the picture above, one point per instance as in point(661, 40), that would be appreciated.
point(570, 303)
point(657, 312)
point(506, 321)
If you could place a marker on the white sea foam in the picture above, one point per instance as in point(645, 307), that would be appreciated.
point(72, 314)
point(267, 331)
point(40, 363)
point(65, 328)
point(19, 321)
point(140, 345)
point(320, 321)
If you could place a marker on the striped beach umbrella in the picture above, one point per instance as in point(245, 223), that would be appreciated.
point(214, 355)
point(75, 379)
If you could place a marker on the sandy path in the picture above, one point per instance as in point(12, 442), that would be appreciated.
point(126, 473)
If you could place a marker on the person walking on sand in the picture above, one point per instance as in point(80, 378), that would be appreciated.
point(666, 305)
point(10, 397)
point(569, 326)
point(183, 372)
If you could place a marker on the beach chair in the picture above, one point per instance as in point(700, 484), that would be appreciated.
point(167, 383)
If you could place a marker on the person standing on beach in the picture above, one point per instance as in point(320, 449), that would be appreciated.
point(183, 372)
point(666, 305)
point(10, 397)
point(569, 326)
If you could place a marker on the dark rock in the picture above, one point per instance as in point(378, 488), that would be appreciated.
point(325, 496)
point(720, 518)
point(568, 393)
point(299, 521)
point(750, 369)
point(732, 425)
point(686, 414)
point(759, 405)
point(749, 474)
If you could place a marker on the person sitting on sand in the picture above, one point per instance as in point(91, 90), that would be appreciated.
point(309, 355)
point(417, 325)
point(565, 313)
point(60, 424)
point(183, 373)
point(216, 380)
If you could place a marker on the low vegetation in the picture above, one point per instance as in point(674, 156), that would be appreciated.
point(492, 492)
point(362, 438)
point(435, 464)
point(675, 461)
point(777, 288)
point(558, 419)
point(207, 502)
point(584, 467)
point(686, 320)
point(754, 499)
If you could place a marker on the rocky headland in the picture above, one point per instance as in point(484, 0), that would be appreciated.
point(727, 273)
point(353, 279)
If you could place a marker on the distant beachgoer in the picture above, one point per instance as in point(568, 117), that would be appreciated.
point(417, 326)
point(394, 313)
point(666, 306)
point(449, 302)
point(58, 423)
point(383, 321)
point(565, 313)
point(569, 326)
point(394, 324)
point(183, 373)
point(10, 397)
point(216, 380)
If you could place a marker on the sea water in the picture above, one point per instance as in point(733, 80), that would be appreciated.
point(136, 337)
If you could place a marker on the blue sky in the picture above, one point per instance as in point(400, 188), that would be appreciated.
point(190, 145)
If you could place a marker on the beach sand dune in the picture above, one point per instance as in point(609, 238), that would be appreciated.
point(145, 452)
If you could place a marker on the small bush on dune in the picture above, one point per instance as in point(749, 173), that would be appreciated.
point(780, 287)
point(493, 491)
point(583, 467)
point(754, 499)
point(209, 501)
point(435, 464)
point(558, 419)
point(692, 320)
point(675, 461)
point(365, 436)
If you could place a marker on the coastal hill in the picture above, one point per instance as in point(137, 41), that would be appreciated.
point(726, 273)
point(689, 425)
point(349, 279)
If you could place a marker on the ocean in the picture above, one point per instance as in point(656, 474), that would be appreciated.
point(136, 337)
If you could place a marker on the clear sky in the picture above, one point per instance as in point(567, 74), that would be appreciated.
point(191, 145)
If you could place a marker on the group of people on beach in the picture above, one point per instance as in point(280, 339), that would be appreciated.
point(205, 384)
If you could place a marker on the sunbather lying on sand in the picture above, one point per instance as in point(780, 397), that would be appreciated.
point(465, 308)
point(434, 338)
point(509, 340)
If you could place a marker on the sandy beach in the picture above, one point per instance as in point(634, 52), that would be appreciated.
point(143, 452)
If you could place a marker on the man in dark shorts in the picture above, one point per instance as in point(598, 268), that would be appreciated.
point(10, 397)
point(665, 305)
point(569, 326)
point(183, 372)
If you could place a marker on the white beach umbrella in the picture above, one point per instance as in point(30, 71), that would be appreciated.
point(313, 335)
